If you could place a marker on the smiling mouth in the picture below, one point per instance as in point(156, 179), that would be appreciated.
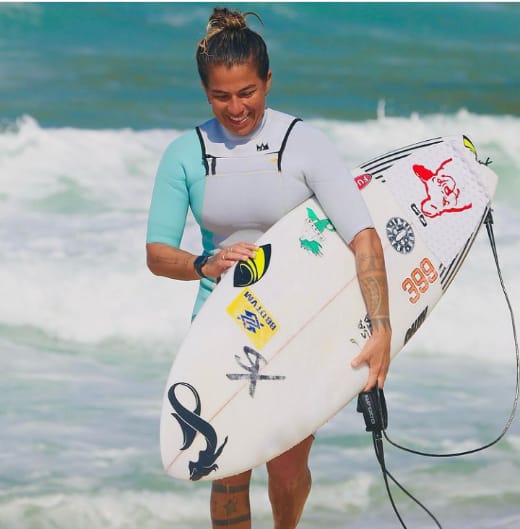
point(238, 121)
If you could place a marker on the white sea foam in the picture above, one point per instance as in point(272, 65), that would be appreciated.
point(73, 207)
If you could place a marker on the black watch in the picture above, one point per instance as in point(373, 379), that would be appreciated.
point(199, 262)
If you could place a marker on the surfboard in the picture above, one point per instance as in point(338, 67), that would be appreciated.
point(267, 360)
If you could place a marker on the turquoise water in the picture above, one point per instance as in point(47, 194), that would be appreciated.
point(132, 65)
point(90, 95)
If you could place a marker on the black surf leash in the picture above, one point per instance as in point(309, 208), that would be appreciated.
point(373, 405)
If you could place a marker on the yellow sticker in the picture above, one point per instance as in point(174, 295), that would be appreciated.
point(252, 317)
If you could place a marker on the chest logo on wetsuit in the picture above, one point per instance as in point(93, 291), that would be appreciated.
point(313, 235)
point(251, 271)
point(252, 317)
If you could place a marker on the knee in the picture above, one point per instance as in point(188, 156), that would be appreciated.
point(291, 468)
point(287, 477)
point(288, 480)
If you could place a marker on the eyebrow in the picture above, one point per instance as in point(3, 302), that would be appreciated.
point(245, 89)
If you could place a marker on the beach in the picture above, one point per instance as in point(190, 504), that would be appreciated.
point(90, 97)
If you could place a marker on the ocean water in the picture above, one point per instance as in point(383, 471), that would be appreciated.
point(90, 96)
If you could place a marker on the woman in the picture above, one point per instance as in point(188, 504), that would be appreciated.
point(239, 173)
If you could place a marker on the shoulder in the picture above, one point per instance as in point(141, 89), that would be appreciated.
point(305, 129)
point(186, 144)
point(310, 140)
point(182, 158)
point(275, 116)
point(183, 155)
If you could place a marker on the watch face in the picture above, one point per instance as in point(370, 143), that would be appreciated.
point(400, 234)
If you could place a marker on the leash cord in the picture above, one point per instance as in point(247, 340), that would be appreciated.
point(378, 448)
point(377, 424)
point(489, 227)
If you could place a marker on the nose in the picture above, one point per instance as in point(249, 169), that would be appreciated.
point(235, 106)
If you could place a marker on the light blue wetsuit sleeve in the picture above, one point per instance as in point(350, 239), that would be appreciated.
point(180, 171)
point(179, 185)
point(325, 172)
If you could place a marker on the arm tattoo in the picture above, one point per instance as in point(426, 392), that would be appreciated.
point(372, 281)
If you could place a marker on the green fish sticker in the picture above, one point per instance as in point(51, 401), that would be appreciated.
point(313, 235)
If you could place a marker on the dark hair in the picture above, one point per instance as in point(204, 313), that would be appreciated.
point(229, 41)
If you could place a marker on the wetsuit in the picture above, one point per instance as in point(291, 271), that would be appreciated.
point(239, 186)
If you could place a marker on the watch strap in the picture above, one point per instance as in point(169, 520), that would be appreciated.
point(199, 262)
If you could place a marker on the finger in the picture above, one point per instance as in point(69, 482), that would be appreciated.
point(358, 360)
point(238, 253)
point(248, 245)
point(245, 250)
point(371, 382)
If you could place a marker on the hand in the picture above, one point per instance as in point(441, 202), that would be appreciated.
point(376, 354)
point(228, 257)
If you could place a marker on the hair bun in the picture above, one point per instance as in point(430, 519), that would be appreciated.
point(229, 40)
point(226, 19)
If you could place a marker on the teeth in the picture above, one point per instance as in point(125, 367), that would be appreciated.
point(238, 120)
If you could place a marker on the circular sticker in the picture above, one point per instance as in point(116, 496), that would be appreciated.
point(400, 234)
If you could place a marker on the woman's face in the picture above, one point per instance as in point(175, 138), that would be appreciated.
point(237, 96)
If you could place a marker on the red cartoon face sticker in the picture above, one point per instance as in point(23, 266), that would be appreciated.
point(442, 192)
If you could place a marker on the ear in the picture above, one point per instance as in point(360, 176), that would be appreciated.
point(268, 82)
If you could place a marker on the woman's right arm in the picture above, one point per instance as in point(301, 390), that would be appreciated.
point(168, 211)
point(168, 261)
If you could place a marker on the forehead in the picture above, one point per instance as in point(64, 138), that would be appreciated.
point(224, 78)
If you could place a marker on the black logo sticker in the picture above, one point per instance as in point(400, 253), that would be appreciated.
point(400, 234)
point(191, 423)
point(251, 271)
point(252, 369)
point(415, 325)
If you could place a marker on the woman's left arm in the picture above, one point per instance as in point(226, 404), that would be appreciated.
point(371, 273)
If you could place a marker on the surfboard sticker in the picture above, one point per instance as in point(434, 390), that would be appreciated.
point(363, 180)
point(314, 232)
point(469, 145)
point(418, 282)
point(251, 369)
point(249, 272)
point(400, 235)
point(415, 325)
point(191, 424)
point(445, 196)
point(365, 327)
point(253, 317)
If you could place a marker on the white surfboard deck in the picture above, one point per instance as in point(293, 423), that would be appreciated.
point(267, 363)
